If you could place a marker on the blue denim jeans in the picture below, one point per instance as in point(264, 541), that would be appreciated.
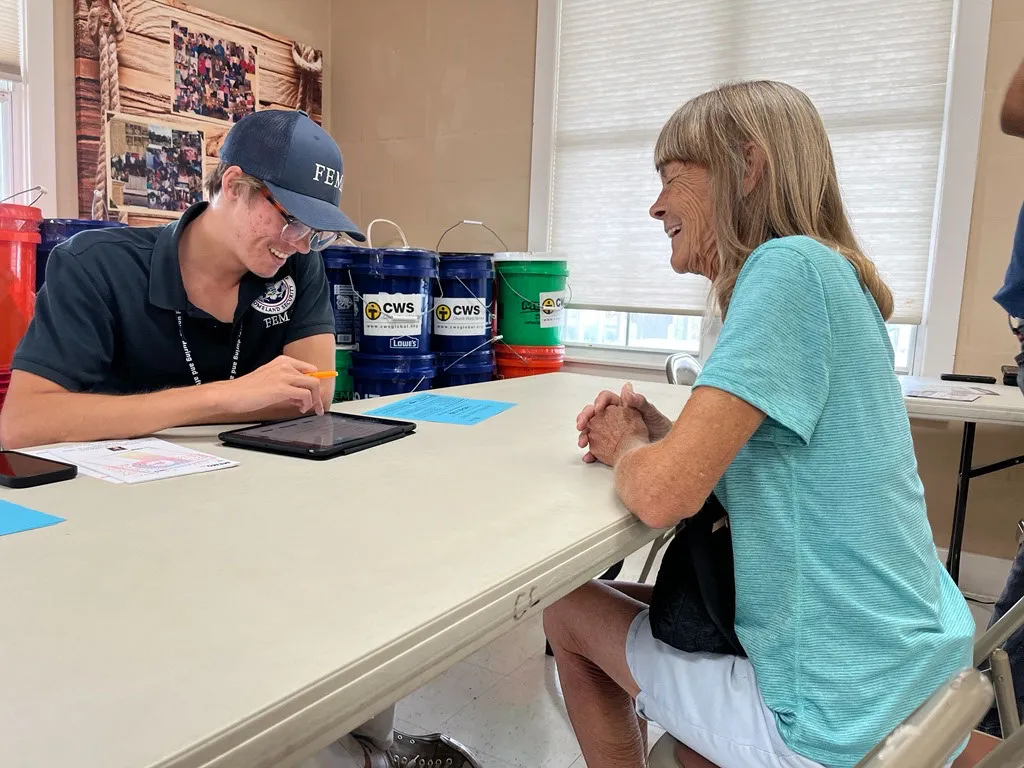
point(1012, 592)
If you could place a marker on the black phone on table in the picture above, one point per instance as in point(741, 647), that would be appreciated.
point(968, 378)
point(20, 470)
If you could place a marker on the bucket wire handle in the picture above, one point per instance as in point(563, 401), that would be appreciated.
point(483, 302)
point(405, 242)
point(512, 349)
point(531, 301)
point(473, 351)
point(474, 223)
point(494, 340)
point(369, 231)
point(37, 188)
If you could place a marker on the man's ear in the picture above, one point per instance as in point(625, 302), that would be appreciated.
point(756, 161)
point(230, 189)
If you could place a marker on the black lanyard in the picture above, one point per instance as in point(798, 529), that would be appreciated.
point(191, 362)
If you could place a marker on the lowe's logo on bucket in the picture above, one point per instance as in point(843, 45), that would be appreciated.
point(405, 343)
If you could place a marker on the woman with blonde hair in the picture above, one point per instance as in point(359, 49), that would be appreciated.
point(797, 424)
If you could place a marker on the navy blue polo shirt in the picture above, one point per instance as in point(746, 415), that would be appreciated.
point(106, 318)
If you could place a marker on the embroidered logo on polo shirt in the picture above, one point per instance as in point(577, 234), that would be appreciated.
point(277, 299)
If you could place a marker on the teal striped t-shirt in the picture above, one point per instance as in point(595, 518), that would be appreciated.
point(848, 617)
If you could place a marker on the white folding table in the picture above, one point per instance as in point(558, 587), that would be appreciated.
point(250, 616)
point(1006, 407)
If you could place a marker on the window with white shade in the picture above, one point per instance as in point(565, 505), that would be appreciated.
point(878, 72)
point(10, 39)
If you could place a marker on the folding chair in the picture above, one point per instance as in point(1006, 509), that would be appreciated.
point(928, 737)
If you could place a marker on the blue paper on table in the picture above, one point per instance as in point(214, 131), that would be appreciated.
point(15, 518)
point(443, 409)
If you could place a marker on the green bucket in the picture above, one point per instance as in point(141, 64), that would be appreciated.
point(343, 384)
point(531, 302)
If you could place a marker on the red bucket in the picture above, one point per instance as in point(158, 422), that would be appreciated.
point(19, 236)
point(5, 382)
point(516, 362)
point(19, 218)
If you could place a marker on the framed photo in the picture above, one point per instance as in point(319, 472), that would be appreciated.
point(179, 68)
point(214, 77)
point(153, 167)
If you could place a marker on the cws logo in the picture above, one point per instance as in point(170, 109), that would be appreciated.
point(552, 309)
point(444, 313)
point(276, 300)
point(460, 317)
point(549, 306)
point(394, 314)
point(374, 310)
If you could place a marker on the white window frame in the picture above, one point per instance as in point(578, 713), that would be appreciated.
point(935, 344)
point(33, 105)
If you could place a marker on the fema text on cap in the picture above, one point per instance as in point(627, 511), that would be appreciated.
point(330, 176)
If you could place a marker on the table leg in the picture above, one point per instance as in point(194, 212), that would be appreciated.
point(963, 483)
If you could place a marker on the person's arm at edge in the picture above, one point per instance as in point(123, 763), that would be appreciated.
point(1011, 119)
point(40, 412)
point(669, 480)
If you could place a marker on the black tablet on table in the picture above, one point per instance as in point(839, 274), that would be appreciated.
point(319, 437)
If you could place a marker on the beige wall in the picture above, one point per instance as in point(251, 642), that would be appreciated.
point(432, 103)
point(434, 113)
point(308, 21)
point(984, 342)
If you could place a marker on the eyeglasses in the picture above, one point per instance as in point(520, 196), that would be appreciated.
point(294, 231)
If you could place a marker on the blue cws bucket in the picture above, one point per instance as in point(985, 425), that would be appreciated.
point(337, 264)
point(383, 375)
point(463, 302)
point(392, 300)
point(56, 231)
point(470, 369)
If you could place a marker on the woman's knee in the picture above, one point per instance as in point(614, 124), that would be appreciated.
point(561, 617)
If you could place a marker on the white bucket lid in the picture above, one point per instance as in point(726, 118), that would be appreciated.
point(526, 256)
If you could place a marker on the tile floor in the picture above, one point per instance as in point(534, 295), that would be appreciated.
point(504, 702)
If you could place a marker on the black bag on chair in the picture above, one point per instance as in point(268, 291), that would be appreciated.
point(693, 607)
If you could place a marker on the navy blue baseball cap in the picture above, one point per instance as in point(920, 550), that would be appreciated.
point(297, 160)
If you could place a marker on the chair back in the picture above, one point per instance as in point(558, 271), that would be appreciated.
point(682, 369)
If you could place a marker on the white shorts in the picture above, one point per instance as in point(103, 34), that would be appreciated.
point(708, 702)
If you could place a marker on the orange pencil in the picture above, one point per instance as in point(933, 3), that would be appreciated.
point(323, 374)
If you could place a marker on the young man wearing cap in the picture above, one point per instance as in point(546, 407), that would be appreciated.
point(215, 318)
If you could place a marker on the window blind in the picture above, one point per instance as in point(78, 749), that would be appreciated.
point(10, 39)
point(876, 70)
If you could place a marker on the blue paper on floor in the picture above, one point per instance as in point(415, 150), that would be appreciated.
point(444, 409)
point(15, 518)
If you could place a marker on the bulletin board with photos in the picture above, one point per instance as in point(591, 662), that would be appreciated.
point(150, 127)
